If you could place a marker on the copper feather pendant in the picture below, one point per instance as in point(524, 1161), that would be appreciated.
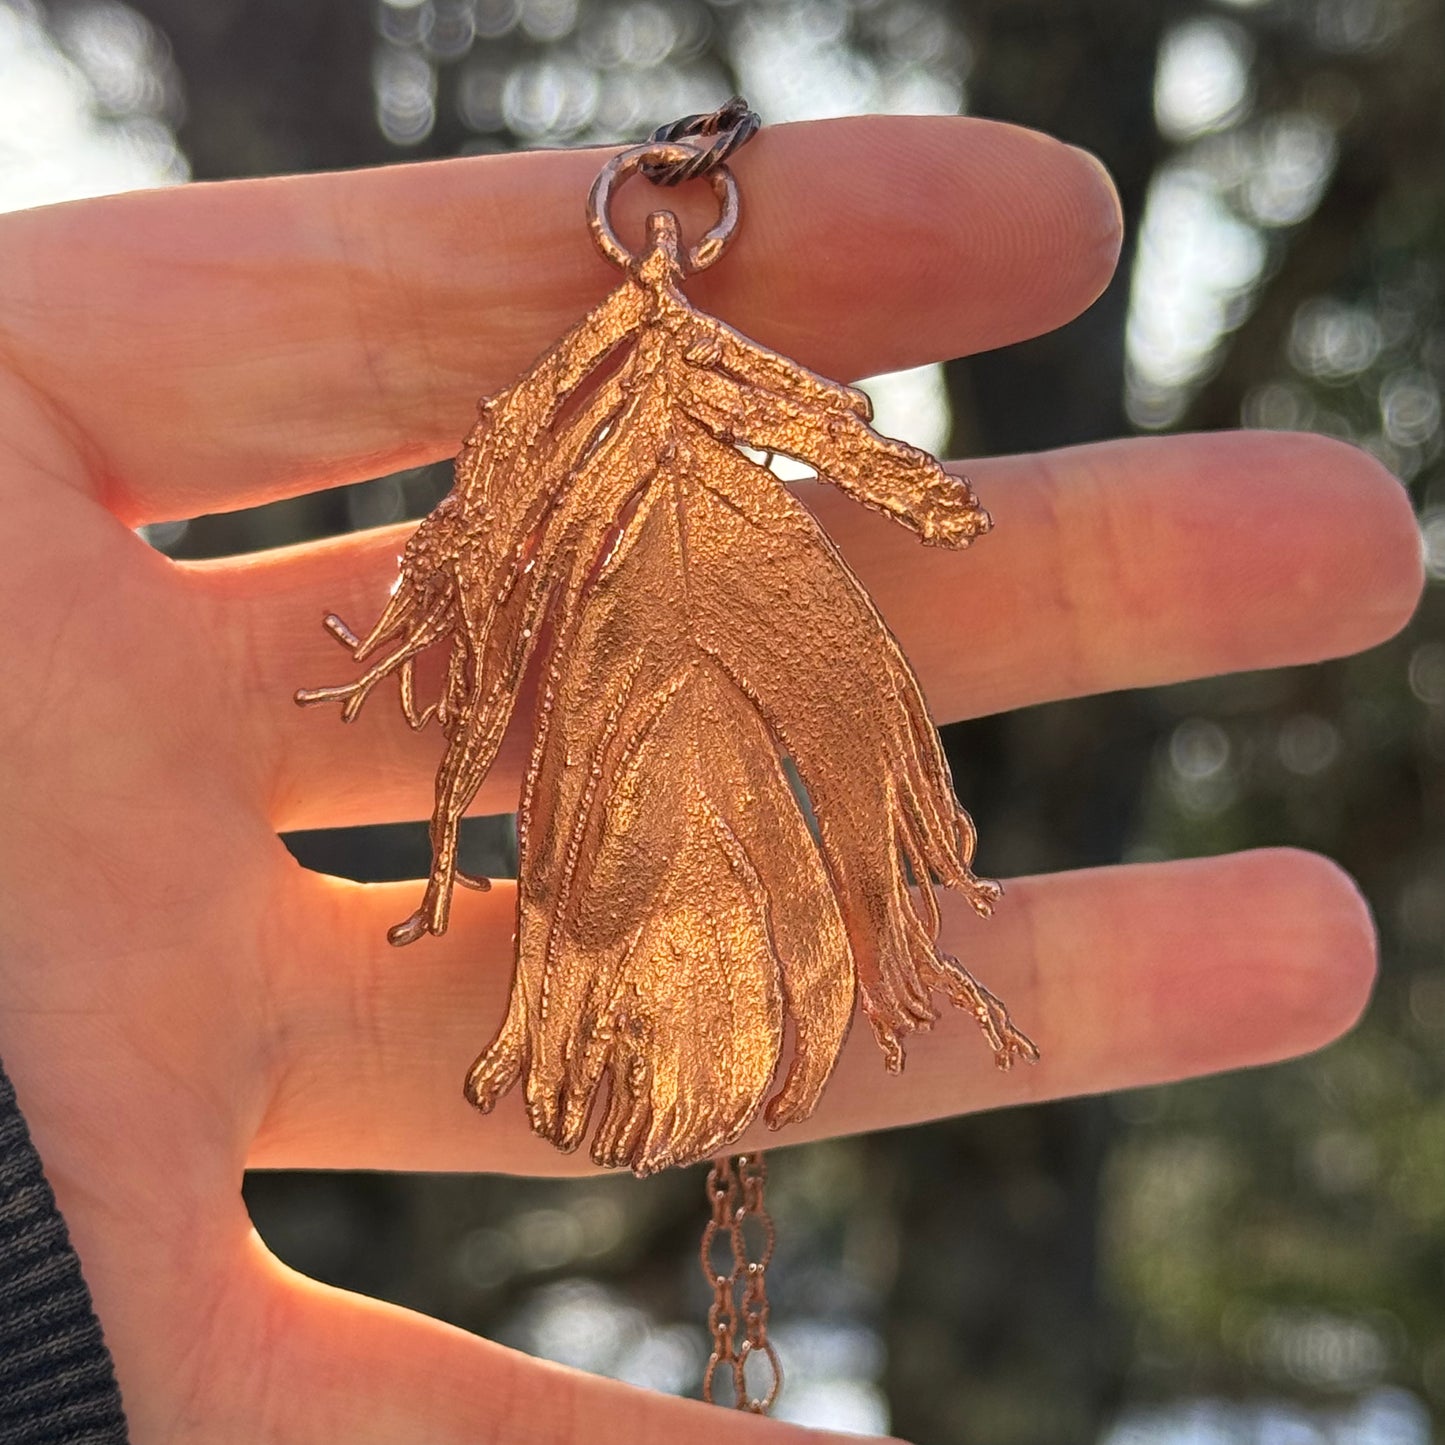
point(676, 913)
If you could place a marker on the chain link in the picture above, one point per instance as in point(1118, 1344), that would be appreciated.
point(715, 135)
point(737, 1319)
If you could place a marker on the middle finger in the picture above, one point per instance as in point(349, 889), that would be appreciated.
point(1122, 564)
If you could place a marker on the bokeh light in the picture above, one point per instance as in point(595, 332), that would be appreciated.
point(85, 110)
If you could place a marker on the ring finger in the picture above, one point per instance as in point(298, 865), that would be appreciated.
point(1126, 976)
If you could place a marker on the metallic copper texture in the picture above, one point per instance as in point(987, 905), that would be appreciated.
point(737, 1318)
point(696, 629)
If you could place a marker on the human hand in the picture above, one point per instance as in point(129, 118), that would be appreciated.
point(180, 1001)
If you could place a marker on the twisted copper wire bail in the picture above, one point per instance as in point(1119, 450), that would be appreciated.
point(725, 130)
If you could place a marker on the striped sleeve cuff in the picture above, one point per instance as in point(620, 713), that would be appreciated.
point(57, 1382)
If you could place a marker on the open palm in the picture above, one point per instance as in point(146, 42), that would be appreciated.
point(179, 1001)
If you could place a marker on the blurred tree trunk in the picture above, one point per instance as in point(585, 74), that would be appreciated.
point(996, 1329)
point(273, 86)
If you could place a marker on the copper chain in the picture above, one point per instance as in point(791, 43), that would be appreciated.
point(738, 1321)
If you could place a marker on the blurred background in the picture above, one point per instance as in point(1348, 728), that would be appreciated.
point(1257, 1258)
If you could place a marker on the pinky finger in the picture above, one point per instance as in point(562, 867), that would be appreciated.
point(348, 1368)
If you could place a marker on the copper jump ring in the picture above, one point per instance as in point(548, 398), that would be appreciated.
point(599, 204)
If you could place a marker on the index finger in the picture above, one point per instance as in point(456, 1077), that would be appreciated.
point(223, 345)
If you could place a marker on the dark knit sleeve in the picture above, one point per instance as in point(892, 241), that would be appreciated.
point(57, 1383)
